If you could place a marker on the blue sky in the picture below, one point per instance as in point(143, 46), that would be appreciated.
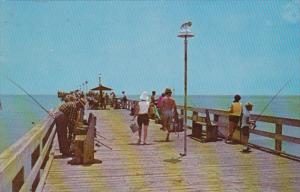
point(246, 47)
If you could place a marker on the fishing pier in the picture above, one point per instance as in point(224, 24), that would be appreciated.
point(34, 162)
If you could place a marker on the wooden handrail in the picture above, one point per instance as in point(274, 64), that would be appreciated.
point(221, 119)
point(21, 163)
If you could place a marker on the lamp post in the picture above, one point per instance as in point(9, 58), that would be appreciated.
point(99, 79)
point(86, 86)
point(100, 92)
point(185, 33)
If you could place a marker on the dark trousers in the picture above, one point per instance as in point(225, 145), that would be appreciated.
point(61, 122)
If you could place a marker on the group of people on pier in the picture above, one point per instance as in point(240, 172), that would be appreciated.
point(144, 109)
point(71, 112)
point(167, 112)
point(100, 101)
point(240, 118)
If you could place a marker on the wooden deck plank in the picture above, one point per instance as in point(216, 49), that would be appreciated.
point(213, 166)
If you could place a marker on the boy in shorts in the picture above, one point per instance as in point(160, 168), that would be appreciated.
point(247, 123)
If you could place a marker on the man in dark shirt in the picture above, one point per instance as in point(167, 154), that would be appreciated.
point(67, 116)
point(153, 98)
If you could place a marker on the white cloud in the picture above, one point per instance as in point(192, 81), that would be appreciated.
point(291, 12)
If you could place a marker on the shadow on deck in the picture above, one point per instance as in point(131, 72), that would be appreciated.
point(157, 166)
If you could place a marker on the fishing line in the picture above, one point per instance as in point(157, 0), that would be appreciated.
point(100, 143)
point(19, 86)
point(194, 104)
point(271, 100)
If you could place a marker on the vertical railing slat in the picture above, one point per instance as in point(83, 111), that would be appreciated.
point(278, 131)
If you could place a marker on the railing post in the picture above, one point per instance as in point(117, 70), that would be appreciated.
point(195, 116)
point(278, 131)
point(181, 112)
point(18, 181)
point(196, 128)
point(216, 118)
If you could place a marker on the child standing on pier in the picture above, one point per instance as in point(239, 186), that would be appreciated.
point(247, 123)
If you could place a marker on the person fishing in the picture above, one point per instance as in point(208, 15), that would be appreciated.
point(236, 110)
point(65, 120)
point(247, 124)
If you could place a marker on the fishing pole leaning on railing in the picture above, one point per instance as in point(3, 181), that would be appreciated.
point(270, 101)
point(42, 107)
point(20, 87)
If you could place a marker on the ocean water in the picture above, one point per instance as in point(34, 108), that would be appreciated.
point(280, 106)
point(19, 112)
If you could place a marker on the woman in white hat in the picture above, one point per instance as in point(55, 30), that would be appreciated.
point(141, 111)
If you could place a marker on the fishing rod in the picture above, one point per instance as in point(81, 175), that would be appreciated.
point(99, 142)
point(98, 134)
point(271, 100)
point(19, 86)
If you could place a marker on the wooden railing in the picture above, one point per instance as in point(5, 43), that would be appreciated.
point(278, 136)
point(220, 117)
point(22, 165)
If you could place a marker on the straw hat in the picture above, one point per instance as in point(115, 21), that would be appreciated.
point(249, 105)
point(144, 96)
point(70, 97)
point(168, 91)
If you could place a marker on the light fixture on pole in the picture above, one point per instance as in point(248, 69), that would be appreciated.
point(86, 85)
point(99, 79)
point(185, 32)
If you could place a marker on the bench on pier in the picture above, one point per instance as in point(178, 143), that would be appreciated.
point(211, 128)
point(84, 143)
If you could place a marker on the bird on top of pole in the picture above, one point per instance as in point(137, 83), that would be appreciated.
point(185, 32)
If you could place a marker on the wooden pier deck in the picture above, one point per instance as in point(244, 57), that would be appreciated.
point(212, 166)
